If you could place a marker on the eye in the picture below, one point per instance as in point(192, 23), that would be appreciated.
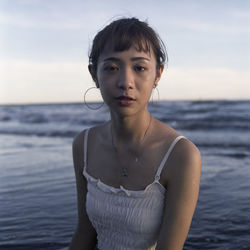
point(111, 68)
point(139, 68)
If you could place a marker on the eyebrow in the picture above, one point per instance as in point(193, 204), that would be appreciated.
point(132, 59)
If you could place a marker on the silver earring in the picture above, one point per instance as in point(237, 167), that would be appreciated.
point(152, 95)
point(87, 103)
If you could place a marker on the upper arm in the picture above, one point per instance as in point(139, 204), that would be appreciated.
point(183, 182)
point(86, 232)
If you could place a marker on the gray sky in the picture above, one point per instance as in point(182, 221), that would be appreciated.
point(44, 46)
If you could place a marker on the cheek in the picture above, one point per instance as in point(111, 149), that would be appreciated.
point(106, 91)
point(146, 84)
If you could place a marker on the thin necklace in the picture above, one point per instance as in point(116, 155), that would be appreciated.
point(124, 170)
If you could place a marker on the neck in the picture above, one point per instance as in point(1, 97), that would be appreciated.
point(130, 131)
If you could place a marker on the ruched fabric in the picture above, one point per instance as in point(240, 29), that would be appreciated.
point(125, 219)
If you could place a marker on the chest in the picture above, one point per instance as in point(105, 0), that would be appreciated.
point(127, 169)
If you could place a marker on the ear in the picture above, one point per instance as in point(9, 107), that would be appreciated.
point(158, 74)
point(93, 75)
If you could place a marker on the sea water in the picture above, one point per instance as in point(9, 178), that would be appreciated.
point(38, 207)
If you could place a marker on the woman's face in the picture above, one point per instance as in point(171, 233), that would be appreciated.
point(126, 79)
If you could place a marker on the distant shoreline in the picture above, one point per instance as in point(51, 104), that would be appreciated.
point(73, 103)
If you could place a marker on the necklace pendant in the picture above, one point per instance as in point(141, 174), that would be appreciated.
point(136, 159)
point(124, 172)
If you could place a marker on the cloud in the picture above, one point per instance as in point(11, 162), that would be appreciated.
point(35, 82)
point(51, 22)
point(241, 13)
point(205, 83)
point(60, 15)
point(219, 28)
point(31, 82)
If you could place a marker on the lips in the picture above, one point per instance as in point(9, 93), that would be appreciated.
point(124, 97)
point(125, 100)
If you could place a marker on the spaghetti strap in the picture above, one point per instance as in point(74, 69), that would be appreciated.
point(85, 148)
point(165, 158)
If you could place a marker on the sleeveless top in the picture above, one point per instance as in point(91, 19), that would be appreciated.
point(125, 219)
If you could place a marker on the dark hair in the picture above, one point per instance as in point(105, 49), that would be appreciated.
point(121, 34)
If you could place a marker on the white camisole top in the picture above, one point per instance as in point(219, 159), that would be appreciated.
point(126, 219)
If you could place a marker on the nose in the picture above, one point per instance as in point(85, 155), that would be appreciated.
point(126, 79)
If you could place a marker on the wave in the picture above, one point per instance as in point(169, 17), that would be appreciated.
point(69, 133)
point(236, 155)
point(32, 246)
point(66, 120)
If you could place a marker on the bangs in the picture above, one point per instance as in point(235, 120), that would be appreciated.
point(123, 38)
point(122, 34)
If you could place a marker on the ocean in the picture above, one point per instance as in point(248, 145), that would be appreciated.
point(37, 183)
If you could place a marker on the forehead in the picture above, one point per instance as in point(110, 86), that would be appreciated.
point(129, 53)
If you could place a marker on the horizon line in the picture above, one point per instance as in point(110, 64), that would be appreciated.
point(174, 100)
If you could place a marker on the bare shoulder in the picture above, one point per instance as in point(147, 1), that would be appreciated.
point(186, 153)
point(78, 141)
point(184, 150)
point(77, 150)
point(184, 162)
point(185, 158)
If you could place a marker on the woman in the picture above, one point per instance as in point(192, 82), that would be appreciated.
point(137, 178)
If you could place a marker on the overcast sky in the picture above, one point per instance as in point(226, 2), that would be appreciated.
point(44, 47)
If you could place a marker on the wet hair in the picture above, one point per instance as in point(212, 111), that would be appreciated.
point(121, 34)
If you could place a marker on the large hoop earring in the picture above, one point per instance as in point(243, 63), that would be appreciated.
point(86, 103)
point(152, 95)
